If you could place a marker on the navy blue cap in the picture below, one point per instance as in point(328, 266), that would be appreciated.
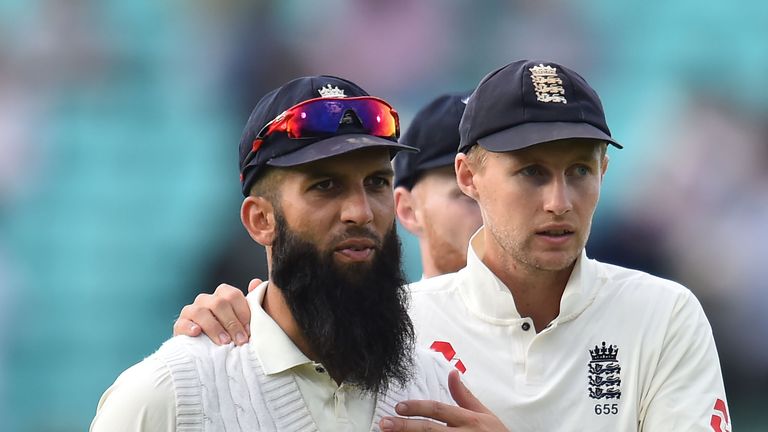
point(529, 102)
point(435, 132)
point(280, 151)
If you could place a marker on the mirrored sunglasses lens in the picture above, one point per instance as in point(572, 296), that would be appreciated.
point(324, 117)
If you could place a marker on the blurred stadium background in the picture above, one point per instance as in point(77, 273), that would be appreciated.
point(119, 194)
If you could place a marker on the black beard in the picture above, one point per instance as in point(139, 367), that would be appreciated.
point(354, 318)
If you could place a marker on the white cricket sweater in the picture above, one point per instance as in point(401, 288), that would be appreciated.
point(224, 388)
point(191, 384)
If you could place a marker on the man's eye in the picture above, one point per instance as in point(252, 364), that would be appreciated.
point(378, 181)
point(323, 185)
point(582, 170)
point(531, 171)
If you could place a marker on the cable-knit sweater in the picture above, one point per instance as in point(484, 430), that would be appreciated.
point(223, 388)
point(191, 384)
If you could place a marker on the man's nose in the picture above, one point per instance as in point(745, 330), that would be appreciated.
point(356, 208)
point(557, 198)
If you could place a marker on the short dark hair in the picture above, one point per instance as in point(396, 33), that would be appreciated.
point(266, 184)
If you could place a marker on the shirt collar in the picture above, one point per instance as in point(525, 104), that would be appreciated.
point(276, 351)
point(487, 297)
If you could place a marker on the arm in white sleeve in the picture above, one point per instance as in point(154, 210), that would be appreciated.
point(686, 392)
point(142, 399)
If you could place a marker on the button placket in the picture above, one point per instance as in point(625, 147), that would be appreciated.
point(319, 368)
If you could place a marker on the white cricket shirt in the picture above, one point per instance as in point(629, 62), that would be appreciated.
point(628, 351)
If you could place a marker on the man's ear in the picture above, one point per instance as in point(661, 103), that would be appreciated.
point(407, 213)
point(604, 167)
point(258, 217)
point(465, 175)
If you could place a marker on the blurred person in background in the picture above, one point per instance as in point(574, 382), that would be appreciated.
point(334, 346)
point(530, 312)
point(428, 200)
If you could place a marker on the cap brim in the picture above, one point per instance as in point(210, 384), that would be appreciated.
point(528, 134)
point(334, 146)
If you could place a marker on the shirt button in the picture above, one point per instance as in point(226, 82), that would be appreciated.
point(319, 369)
point(526, 326)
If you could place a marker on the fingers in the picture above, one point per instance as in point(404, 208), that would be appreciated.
point(186, 327)
point(233, 299)
point(223, 316)
point(398, 424)
point(461, 394)
point(253, 284)
point(452, 415)
point(206, 320)
point(474, 416)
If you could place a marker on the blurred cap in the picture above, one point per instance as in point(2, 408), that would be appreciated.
point(530, 102)
point(435, 132)
point(279, 150)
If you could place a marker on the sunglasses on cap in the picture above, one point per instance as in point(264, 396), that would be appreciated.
point(319, 117)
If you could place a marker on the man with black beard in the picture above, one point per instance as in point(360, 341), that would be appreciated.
point(334, 346)
point(428, 203)
point(354, 318)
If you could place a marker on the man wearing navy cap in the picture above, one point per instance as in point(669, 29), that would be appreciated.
point(334, 345)
point(428, 200)
point(428, 203)
point(548, 339)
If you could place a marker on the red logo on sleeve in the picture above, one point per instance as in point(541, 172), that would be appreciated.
point(720, 421)
point(449, 353)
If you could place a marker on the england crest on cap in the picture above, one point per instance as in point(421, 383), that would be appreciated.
point(548, 86)
point(331, 92)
